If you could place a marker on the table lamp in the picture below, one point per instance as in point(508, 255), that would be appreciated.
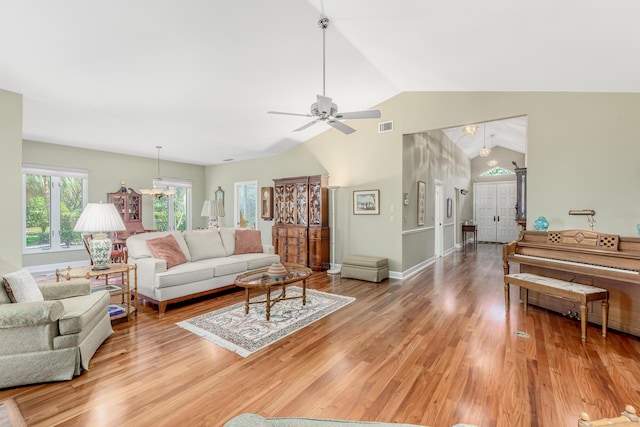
point(212, 209)
point(99, 218)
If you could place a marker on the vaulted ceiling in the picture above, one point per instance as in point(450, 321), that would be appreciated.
point(197, 77)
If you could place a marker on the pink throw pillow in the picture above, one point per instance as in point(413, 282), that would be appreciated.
point(168, 249)
point(248, 242)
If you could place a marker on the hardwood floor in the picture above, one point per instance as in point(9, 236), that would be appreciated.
point(434, 349)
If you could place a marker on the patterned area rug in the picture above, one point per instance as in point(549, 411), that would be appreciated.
point(244, 334)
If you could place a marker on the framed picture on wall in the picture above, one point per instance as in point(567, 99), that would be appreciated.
point(366, 202)
point(422, 201)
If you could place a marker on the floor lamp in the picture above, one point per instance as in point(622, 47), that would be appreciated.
point(332, 234)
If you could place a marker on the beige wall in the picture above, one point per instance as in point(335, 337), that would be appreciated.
point(10, 171)
point(106, 171)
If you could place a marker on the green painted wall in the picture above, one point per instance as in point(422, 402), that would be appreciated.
point(10, 161)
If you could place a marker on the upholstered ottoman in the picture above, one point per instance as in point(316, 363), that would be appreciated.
point(362, 267)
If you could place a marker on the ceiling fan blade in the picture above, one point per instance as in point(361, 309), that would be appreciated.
point(306, 126)
point(341, 127)
point(324, 104)
point(368, 114)
point(289, 114)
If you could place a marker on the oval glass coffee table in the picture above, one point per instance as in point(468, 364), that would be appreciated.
point(259, 279)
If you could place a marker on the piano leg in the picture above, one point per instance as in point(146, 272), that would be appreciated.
point(605, 317)
point(583, 321)
point(506, 296)
point(525, 291)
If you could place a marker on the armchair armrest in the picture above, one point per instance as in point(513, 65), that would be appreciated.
point(23, 314)
point(65, 289)
point(268, 249)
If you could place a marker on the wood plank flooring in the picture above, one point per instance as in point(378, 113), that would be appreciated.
point(434, 349)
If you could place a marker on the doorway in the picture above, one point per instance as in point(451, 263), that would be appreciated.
point(246, 206)
point(495, 211)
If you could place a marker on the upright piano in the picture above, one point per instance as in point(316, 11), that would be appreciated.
point(603, 260)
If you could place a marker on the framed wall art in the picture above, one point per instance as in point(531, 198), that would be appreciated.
point(366, 202)
point(422, 202)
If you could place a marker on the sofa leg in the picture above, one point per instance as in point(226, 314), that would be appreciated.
point(162, 307)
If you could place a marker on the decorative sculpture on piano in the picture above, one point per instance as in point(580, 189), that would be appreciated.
point(590, 213)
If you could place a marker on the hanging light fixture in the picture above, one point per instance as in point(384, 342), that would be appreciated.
point(157, 190)
point(484, 152)
point(492, 162)
point(470, 130)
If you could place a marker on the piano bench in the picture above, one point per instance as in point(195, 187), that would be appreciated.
point(562, 289)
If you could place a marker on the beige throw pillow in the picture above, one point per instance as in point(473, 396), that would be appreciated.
point(22, 287)
point(168, 249)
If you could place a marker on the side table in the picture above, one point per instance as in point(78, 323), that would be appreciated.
point(130, 303)
point(470, 228)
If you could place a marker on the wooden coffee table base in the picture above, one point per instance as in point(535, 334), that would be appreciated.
point(271, 301)
point(259, 279)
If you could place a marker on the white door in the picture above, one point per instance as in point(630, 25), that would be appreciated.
point(507, 229)
point(495, 212)
point(484, 200)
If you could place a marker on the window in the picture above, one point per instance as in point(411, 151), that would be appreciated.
point(497, 171)
point(53, 201)
point(173, 212)
point(246, 209)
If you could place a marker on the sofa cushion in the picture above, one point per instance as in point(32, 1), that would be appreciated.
point(137, 246)
point(167, 248)
point(228, 236)
point(255, 261)
point(22, 287)
point(248, 242)
point(204, 244)
point(185, 273)
point(80, 311)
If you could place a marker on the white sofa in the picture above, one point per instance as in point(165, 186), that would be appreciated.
point(212, 265)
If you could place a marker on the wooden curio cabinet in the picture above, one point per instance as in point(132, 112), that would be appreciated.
point(300, 232)
point(128, 203)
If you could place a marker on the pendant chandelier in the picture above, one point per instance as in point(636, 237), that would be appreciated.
point(484, 152)
point(157, 191)
point(469, 130)
point(492, 162)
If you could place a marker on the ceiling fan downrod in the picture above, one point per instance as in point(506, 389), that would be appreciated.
point(323, 23)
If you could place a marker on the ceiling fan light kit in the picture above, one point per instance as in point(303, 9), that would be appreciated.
point(325, 110)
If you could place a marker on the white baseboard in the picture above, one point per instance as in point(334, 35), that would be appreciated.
point(50, 268)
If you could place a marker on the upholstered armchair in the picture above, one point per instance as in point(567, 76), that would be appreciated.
point(53, 336)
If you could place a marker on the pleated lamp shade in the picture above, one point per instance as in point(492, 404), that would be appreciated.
point(99, 218)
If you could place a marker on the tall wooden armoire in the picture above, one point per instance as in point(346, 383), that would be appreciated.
point(300, 231)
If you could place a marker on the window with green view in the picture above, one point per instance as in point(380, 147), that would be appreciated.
point(53, 201)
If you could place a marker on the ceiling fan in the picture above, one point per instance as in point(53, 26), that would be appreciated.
point(324, 110)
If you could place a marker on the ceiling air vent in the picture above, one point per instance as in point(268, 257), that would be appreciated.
point(385, 126)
